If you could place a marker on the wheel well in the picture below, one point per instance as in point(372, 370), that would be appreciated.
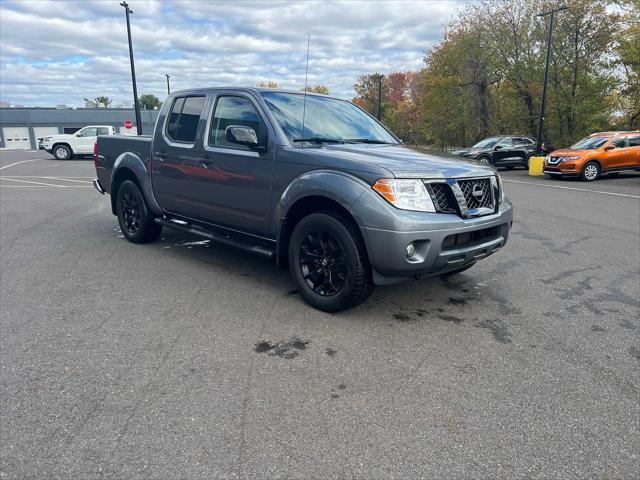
point(595, 160)
point(121, 175)
point(62, 143)
point(303, 207)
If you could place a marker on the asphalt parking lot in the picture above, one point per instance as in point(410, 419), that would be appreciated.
point(184, 359)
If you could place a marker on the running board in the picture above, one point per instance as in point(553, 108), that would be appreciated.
point(239, 241)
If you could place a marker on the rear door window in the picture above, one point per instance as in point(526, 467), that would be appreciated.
point(103, 131)
point(182, 125)
point(634, 141)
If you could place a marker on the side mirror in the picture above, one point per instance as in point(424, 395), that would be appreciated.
point(241, 135)
point(78, 134)
point(498, 147)
point(609, 147)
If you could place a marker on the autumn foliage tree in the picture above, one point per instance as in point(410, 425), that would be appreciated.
point(485, 76)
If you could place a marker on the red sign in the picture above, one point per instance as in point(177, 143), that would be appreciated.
point(128, 124)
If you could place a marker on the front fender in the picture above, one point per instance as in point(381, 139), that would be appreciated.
point(340, 187)
point(132, 162)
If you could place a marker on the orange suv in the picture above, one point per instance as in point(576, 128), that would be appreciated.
point(603, 152)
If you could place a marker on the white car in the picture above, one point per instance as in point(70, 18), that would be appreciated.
point(65, 146)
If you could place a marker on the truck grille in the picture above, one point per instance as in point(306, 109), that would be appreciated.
point(477, 193)
point(472, 197)
point(441, 196)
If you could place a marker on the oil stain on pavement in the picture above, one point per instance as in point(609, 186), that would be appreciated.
point(284, 349)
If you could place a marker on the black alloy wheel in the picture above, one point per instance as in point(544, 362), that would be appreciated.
point(328, 262)
point(322, 263)
point(136, 221)
point(131, 211)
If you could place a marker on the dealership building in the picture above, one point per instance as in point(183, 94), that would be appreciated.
point(23, 128)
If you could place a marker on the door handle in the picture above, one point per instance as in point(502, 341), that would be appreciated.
point(206, 162)
point(160, 156)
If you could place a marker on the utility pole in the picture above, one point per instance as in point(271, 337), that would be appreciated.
point(546, 74)
point(168, 87)
point(136, 105)
point(379, 96)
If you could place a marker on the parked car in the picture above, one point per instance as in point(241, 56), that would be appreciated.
point(502, 151)
point(65, 146)
point(312, 181)
point(602, 152)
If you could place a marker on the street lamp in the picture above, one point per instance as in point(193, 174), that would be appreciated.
point(546, 74)
point(168, 88)
point(136, 106)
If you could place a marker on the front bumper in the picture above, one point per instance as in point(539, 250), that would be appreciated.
point(443, 243)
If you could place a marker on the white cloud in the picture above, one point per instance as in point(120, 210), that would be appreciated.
point(62, 51)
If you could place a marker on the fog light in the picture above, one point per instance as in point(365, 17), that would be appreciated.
point(410, 251)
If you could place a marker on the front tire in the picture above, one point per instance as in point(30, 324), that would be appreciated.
point(62, 152)
point(590, 172)
point(136, 221)
point(328, 262)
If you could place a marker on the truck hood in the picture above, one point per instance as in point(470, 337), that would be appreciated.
point(60, 136)
point(404, 162)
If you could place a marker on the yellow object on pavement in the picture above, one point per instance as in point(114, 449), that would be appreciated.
point(536, 165)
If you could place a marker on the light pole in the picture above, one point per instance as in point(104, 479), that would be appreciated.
point(168, 87)
point(136, 106)
point(546, 74)
point(379, 96)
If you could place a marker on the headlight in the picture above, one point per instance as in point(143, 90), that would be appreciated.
point(500, 188)
point(566, 159)
point(46, 139)
point(405, 194)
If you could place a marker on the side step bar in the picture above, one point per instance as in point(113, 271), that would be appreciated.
point(239, 241)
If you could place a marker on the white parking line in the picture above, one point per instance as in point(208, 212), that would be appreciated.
point(62, 179)
point(34, 183)
point(573, 188)
point(22, 161)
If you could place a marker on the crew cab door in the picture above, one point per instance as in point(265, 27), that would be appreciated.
point(634, 151)
point(175, 154)
point(232, 183)
point(85, 139)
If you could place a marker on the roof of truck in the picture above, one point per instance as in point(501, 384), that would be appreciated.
point(252, 90)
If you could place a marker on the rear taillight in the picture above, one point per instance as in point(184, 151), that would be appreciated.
point(95, 154)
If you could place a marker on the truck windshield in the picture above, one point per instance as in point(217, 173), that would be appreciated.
point(589, 143)
point(327, 120)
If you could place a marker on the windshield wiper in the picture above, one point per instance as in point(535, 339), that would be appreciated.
point(365, 140)
point(318, 140)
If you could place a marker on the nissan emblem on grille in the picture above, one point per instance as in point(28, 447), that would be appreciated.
point(478, 192)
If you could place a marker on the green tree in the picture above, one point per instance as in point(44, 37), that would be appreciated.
point(149, 101)
point(103, 100)
point(627, 95)
point(268, 84)
point(323, 89)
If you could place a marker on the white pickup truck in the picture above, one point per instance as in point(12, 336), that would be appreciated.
point(65, 146)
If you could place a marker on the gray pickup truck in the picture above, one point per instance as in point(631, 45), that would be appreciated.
point(312, 181)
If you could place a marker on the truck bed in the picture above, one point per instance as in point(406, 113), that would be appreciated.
point(112, 147)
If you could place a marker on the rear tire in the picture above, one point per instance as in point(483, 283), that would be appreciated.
point(62, 152)
point(590, 172)
point(329, 263)
point(136, 221)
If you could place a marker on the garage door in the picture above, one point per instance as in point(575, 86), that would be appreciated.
point(41, 132)
point(16, 138)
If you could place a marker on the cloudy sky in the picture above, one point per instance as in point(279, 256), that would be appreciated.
point(57, 52)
